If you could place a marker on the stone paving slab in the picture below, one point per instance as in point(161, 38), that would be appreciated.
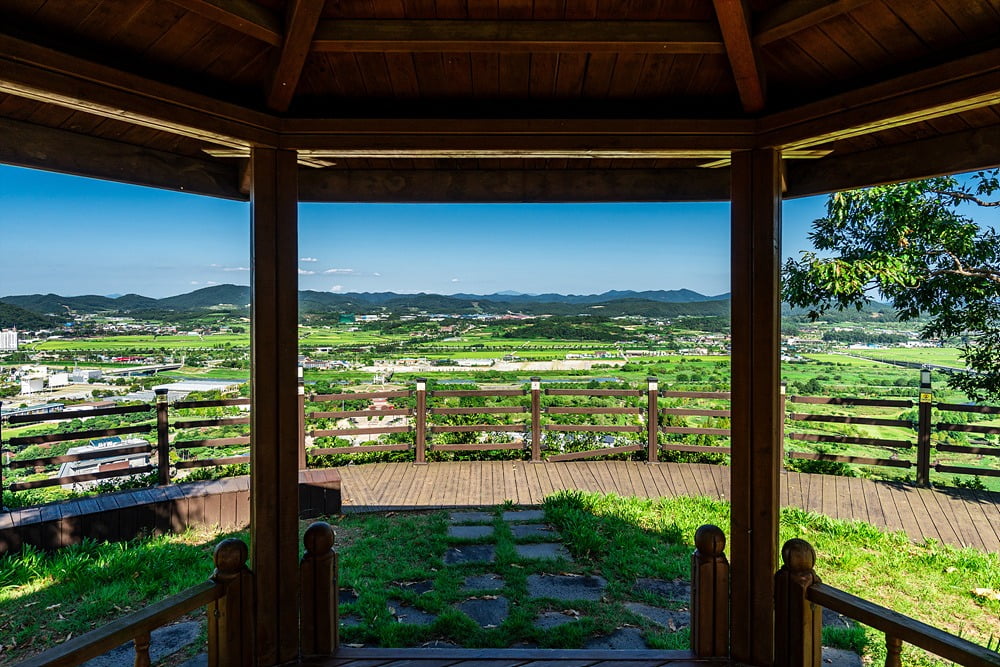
point(470, 532)
point(416, 587)
point(470, 517)
point(350, 621)
point(840, 658)
point(566, 587)
point(666, 618)
point(523, 530)
point(671, 590)
point(836, 620)
point(473, 553)
point(347, 596)
point(483, 582)
point(543, 550)
point(487, 612)
point(200, 660)
point(523, 515)
point(621, 639)
point(553, 619)
point(410, 615)
point(163, 642)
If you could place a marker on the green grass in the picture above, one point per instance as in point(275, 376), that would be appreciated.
point(46, 597)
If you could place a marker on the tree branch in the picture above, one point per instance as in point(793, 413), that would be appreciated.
point(965, 196)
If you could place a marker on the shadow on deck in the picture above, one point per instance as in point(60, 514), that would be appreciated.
point(431, 657)
point(960, 517)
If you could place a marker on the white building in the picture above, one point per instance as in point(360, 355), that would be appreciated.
point(32, 385)
point(8, 340)
point(116, 459)
point(58, 380)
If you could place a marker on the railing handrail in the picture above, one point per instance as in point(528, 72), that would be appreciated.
point(900, 626)
point(79, 414)
point(102, 639)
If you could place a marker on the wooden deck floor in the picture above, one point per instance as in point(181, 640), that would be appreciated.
point(954, 516)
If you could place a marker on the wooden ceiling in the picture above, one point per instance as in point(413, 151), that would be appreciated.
point(500, 100)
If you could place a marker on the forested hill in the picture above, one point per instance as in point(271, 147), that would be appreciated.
point(13, 317)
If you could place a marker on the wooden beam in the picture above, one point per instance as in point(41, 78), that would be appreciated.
point(38, 73)
point(795, 16)
point(512, 185)
point(274, 466)
point(303, 15)
point(37, 147)
point(734, 20)
point(968, 83)
point(378, 36)
point(756, 413)
point(242, 16)
point(955, 153)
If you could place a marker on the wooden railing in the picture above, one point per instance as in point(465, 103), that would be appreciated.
point(421, 414)
point(800, 597)
point(229, 598)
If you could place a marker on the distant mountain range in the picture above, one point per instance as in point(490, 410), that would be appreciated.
point(661, 303)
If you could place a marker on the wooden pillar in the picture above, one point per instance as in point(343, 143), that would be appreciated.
point(799, 622)
point(709, 594)
point(756, 412)
point(274, 456)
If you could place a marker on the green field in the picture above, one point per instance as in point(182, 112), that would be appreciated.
point(943, 356)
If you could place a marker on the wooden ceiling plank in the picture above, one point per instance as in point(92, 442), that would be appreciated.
point(45, 75)
point(303, 17)
point(730, 133)
point(508, 186)
point(37, 147)
point(793, 16)
point(516, 36)
point(242, 16)
point(967, 83)
point(734, 21)
point(968, 150)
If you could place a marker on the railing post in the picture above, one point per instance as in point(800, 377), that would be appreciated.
point(782, 406)
point(652, 419)
point(162, 438)
point(798, 622)
point(536, 420)
point(303, 463)
point(420, 435)
point(893, 651)
point(2, 461)
point(318, 588)
point(709, 594)
point(141, 645)
point(924, 429)
point(230, 618)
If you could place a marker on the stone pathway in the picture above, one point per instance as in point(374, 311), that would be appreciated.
point(657, 604)
point(163, 642)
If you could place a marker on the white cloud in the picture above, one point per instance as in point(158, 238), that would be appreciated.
point(329, 271)
point(211, 282)
point(308, 259)
point(195, 282)
point(455, 280)
point(337, 288)
point(377, 274)
point(304, 272)
point(235, 268)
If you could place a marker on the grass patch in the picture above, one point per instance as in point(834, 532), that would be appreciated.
point(46, 597)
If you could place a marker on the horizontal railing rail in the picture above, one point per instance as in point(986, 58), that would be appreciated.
point(79, 414)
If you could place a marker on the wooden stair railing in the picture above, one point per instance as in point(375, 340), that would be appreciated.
point(709, 594)
point(226, 595)
point(800, 597)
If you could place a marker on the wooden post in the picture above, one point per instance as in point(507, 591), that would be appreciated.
point(924, 429)
point(303, 462)
point(536, 420)
point(709, 594)
point(3, 462)
point(420, 434)
point(274, 460)
point(756, 407)
point(893, 651)
point(784, 412)
point(162, 438)
point(798, 622)
point(653, 420)
point(141, 645)
point(320, 589)
point(230, 618)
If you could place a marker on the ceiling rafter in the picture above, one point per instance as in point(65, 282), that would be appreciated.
point(303, 16)
point(734, 21)
point(243, 16)
point(668, 37)
point(794, 16)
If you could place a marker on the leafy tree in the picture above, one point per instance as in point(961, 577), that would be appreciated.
point(909, 243)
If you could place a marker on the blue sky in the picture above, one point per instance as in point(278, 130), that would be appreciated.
point(72, 235)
